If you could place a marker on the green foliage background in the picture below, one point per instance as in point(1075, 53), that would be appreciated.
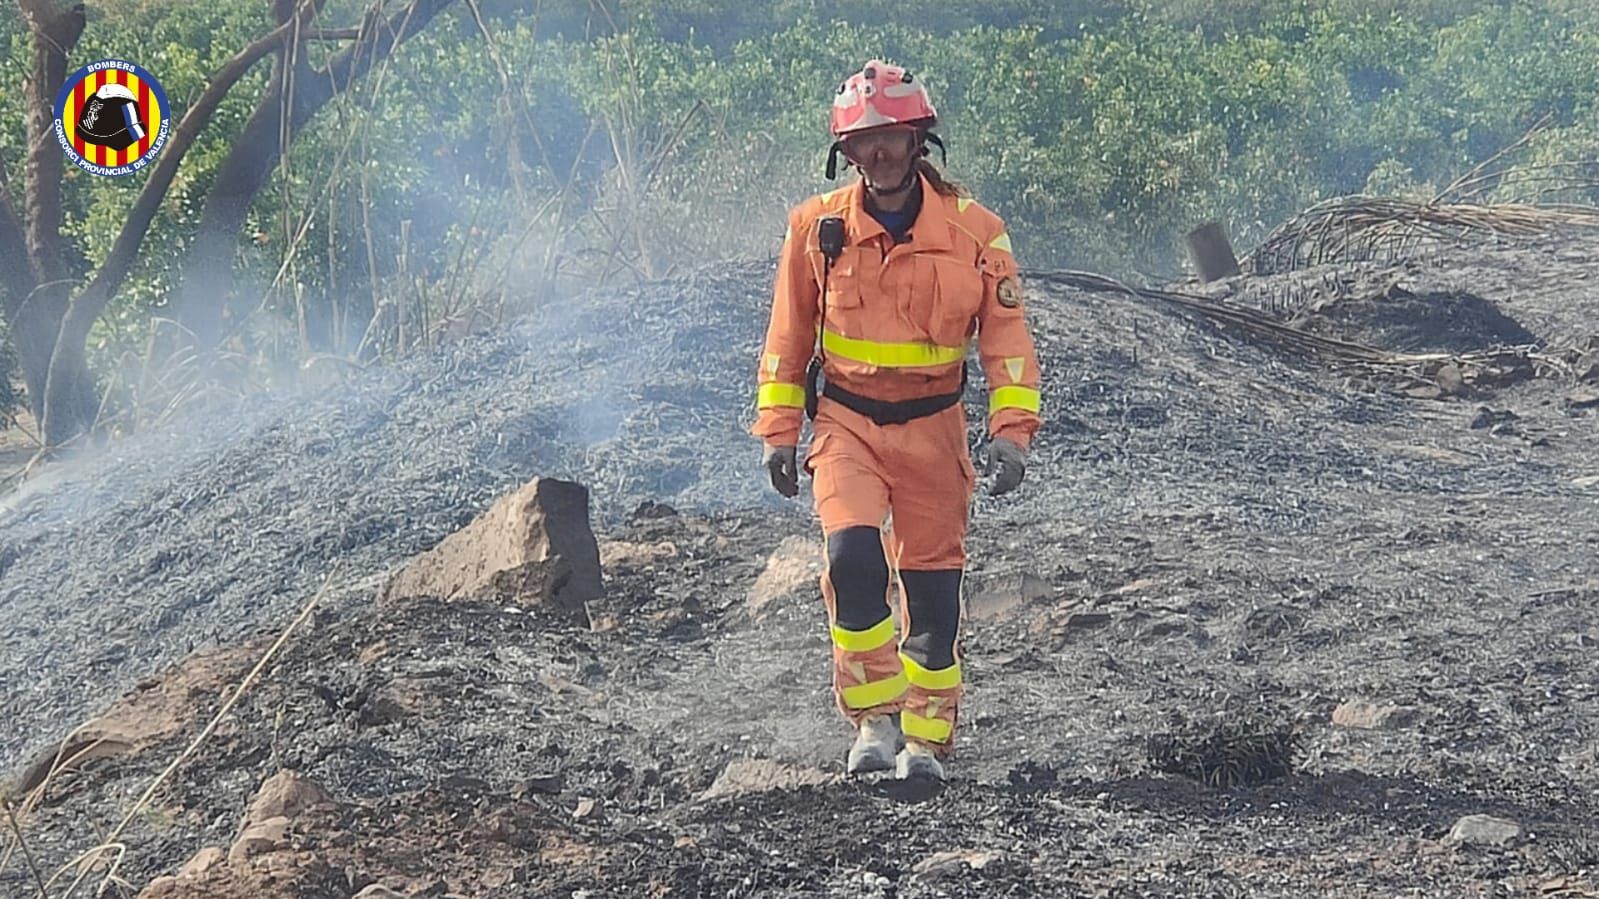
point(634, 139)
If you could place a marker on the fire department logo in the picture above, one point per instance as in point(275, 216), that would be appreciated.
point(111, 118)
point(1010, 293)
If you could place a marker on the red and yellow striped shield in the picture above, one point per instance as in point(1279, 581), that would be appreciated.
point(111, 117)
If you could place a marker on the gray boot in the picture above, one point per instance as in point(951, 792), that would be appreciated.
point(875, 744)
point(917, 762)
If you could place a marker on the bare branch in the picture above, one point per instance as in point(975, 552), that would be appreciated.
point(332, 34)
point(353, 61)
point(1477, 170)
point(282, 113)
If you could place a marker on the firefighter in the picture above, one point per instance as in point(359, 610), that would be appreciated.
point(881, 287)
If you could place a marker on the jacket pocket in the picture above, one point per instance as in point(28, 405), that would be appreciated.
point(813, 453)
point(968, 471)
point(845, 280)
point(957, 294)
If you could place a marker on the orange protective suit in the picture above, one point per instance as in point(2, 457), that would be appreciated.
point(899, 321)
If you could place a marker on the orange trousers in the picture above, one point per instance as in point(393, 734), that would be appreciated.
point(913, 482)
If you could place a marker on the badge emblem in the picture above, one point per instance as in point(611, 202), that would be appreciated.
point(112, 118)
point(1010, 293)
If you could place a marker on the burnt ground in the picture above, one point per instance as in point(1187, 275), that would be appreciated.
point(1214, 530)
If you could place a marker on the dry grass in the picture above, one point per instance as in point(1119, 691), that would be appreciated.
point(109, 853)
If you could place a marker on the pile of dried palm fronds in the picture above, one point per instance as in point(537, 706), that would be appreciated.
point(1356, 228)
point(1495, 364)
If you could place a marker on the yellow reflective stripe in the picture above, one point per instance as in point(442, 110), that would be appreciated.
point(929, 679)
point(1013, 397)
point(962, 203)
point(932, 730)
point(1002, 242)
point(776, 393)
point(891, 355)
point(876, 693)
point(874, 637)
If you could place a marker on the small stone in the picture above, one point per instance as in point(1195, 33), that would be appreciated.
point(1450, 381)
point(258, 838)
point(533, 547)
point(379, 891)
point(585, 808)
point(372, 653)
point(953, 863)
point(1583, 399)
point(203, 861)
point(999, 600)
point(1484, 830)
point(792, 569)
point(285, 795)
point(747, 777)
point(1362, 715)
point(548, 784)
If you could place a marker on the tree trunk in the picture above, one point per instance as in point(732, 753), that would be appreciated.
point(37, 321)
point(16, 293)
point(207, 275)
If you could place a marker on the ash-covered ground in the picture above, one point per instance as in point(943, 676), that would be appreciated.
point(1215, 531)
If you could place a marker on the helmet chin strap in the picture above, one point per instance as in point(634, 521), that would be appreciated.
point(903, 185)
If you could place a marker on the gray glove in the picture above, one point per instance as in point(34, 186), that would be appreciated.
point(782, 464)
point(1010, 460)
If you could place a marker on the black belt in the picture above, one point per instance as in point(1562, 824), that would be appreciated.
point(884, 412)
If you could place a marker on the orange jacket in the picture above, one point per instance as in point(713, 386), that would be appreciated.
point(900, 318)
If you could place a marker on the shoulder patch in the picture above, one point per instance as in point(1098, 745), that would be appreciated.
point(1009, 293)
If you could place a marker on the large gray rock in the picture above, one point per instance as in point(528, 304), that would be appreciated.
point(1484, 830)
point(532, 547)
